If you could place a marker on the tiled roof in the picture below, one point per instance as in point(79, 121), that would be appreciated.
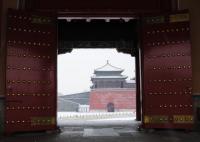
point(108, 67)
point(110, 77)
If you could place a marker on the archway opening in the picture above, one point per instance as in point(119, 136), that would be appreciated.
point(101, 35)
point(89, 80)
point(110, 107)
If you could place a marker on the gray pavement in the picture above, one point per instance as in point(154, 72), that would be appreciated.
point(111, 134)
point(100, 132)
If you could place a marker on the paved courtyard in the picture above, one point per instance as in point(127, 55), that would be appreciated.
point(105, 134)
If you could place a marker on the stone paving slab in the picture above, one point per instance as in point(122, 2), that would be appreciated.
point(125, 135)
point(104, 132)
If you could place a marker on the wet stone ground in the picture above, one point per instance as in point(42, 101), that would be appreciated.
point(97, 134)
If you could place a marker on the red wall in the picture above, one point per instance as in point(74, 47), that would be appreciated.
point(122, 99)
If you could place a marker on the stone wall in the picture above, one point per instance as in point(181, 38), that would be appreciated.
point(194, 9)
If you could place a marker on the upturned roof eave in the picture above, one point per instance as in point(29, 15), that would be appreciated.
point(108, 68)
point(110, 77)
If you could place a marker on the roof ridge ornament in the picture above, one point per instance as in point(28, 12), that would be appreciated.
point(108, 62)
point(109, 67)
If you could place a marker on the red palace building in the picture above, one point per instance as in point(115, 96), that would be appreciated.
point(111, 92)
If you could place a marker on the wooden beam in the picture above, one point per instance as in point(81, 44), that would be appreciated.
point(139, 6)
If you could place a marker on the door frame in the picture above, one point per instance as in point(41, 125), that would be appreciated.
point(1, 15)
point(137, 56)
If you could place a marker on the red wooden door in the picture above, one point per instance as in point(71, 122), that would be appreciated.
point(167, 72)
point(31, 72)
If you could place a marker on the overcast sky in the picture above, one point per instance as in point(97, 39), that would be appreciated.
point(76, 68)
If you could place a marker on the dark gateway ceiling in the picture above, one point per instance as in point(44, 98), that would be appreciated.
point(97, 34)
point(136, 6)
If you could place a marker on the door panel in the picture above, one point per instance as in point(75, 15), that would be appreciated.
point(31, 72)
point(167, 72)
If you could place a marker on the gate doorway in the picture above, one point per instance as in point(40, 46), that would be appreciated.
point(166, 33)
point(110, 107)
point(98, 33)
point(82, 90)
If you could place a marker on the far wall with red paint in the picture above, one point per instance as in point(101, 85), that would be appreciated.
point(123, 99)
